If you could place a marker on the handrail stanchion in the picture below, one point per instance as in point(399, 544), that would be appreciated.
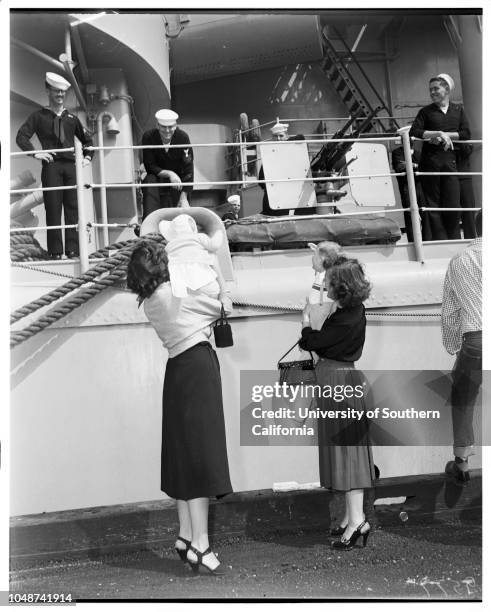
point(102, 176)
point(82, 221)
point(413, 202)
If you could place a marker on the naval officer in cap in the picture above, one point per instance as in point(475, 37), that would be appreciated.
point(166, 165)
point(56, 128)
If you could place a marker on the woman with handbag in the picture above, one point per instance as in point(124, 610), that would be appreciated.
point(194, 463)
point(345, 458)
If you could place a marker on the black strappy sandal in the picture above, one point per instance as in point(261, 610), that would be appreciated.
point(338, 530)
point(182, 552)
point(351, 542)
point(195, 565)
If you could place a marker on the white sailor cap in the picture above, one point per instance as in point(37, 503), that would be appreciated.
point(233, 199)
point(448, 79)
point(165, 116)
point(279, 128)
point(56, 81)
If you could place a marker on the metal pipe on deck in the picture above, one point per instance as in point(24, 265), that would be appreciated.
point(23, 179)
point(25, 204)
point(47, 58)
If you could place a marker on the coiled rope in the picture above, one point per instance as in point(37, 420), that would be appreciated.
point(113, 269)
point(24, 247)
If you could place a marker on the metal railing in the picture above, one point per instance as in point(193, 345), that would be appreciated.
point(84, 227)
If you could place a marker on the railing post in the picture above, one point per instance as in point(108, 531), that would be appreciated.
point(413, 202)
point(82, 221)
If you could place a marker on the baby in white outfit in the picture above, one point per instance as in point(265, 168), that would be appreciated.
point(325, 255)
point(192, 258)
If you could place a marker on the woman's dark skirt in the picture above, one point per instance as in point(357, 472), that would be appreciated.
point(194, 450)
point(345, 454)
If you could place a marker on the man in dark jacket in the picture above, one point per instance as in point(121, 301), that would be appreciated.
point(56, 128)
point(439, 124)
point(171, 166)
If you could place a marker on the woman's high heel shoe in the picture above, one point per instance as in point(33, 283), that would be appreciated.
point(351, 542)
point(182, 552)
point(338, 531)
point(195, 565)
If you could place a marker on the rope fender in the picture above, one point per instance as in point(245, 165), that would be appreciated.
point(112, 267)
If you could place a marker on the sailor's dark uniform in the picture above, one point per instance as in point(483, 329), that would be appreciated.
point(57, 132)
point(179, 160)
point(441, 191)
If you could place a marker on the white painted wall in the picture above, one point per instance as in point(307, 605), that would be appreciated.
point(86, 410)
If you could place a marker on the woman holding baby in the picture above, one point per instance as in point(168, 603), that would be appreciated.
point(345, 458)
point(194, 463)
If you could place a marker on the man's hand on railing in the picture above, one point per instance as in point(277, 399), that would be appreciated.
point(443, 139)
point(47, 157)
point(86, 161)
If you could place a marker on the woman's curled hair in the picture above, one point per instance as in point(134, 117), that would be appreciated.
point(348, 283)
point(147, 269)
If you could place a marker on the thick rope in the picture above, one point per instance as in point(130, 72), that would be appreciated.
point(113, 268)
point(61, 310)
point(105, 251)
point(110, 263)
point(110, 267)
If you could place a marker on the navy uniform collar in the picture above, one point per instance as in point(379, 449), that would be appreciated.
point(63, 112)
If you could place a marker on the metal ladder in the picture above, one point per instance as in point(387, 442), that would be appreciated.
point(348, 89)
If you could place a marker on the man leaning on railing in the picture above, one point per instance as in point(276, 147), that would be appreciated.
point(56, 128)
point(169, 166)
point(439, 124)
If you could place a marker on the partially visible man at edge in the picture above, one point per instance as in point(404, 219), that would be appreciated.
point(462, 335)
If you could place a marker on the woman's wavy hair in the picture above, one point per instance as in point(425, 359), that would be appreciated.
point(147, 269)
point(348, 282)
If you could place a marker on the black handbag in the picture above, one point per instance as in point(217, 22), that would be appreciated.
point(298, 372)
point(223, 331)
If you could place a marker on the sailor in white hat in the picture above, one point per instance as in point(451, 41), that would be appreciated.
point(173, 166)
point(232, 215)
point(56, 82)
point(440, 124)
point(280, 130)
point(56, 128)
point(448, 79)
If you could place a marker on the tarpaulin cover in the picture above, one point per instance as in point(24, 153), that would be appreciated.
point(257, 231)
